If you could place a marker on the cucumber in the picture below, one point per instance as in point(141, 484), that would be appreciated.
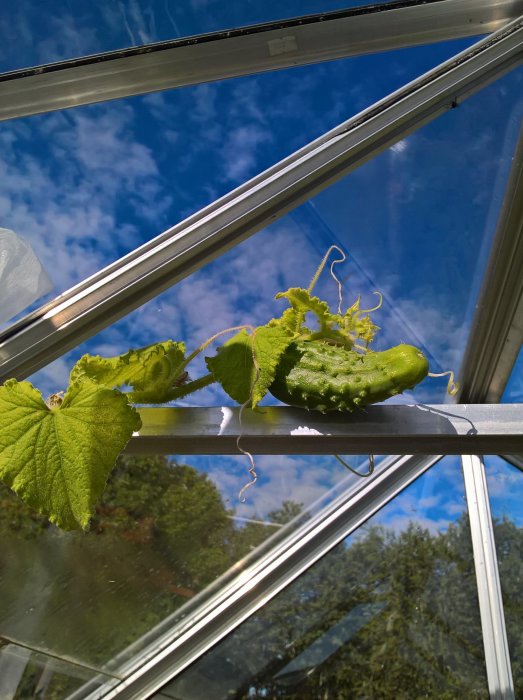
point(322, 377)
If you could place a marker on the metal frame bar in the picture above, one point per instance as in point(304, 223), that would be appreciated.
point(264, 579)
point(380, 429)
point(515, 460)
point(497, 327)
point(247, 50)
point(131, 281)
point(501, 686)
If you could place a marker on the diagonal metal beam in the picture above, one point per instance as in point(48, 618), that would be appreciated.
point(497, 328)
point(247, 50)
point(386, 429)
point(259, 583)
point(131, 281)
point(515, 460)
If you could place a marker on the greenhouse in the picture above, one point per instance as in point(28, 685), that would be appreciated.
point(261, 378)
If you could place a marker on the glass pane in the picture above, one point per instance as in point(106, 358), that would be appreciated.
point(408, 222)
point(514, 390)
point(36, 33)
point(505, 486)
point(87, 185)
point(165, 530)
point(29, 674)
point(391, 612)
point(418, 223)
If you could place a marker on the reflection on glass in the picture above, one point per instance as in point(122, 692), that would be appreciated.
point(391, 612)
point(163, 532)
point(27, 674)
point(505, 487)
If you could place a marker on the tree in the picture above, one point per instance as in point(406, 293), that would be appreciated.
point(160, 535)
point(384, 616)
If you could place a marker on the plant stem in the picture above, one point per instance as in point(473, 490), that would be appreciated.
point(180, 391)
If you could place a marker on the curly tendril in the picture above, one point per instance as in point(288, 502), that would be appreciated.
point(354, 471)
point(452, 386)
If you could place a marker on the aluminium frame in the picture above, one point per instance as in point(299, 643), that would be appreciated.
point(78, 313)
point(271, 46)
point(139, 276)
point(496, 335)
point(380, 429)
point(497, 657)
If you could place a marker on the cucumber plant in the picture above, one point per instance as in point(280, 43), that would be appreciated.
point(57, 454)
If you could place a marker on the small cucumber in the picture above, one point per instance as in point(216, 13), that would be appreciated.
point(318, 376)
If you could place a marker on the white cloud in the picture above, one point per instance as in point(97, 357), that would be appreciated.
point(399, 147)
point(301, 479)
point(240, 151)
point(63, 196)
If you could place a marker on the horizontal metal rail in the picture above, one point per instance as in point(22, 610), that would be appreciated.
point(382, 429)
point(496, 335)
point(247, 50)
point(256, 585)
point(134, 279)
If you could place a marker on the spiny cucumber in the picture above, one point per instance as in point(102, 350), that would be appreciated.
point(323, 377)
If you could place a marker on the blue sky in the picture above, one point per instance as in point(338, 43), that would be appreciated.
point(86, 185)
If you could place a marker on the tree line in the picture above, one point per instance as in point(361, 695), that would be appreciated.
point(384, 615)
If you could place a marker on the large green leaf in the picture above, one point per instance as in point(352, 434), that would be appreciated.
point(246, 374)
point(58, 459)
point(152, 371)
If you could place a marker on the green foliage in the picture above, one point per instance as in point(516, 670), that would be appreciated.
point(152, 371)
point(389, 615)
point(159, 536)
point(57, 458)
point(344, 329)
point(246, 365)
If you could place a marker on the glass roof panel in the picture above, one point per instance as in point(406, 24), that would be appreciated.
point(514, 390)
point(505, 487)
point(44, 32)
point(408, 220)
point(29, 674)
point(390, 612)
point(164, 533)
point(87, 185)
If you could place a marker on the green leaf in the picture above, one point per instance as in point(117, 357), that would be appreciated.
point(151, 371)
point(302, 302)
point(360, 327)
point(343, 329)
point(58, 459)
point(242, 372)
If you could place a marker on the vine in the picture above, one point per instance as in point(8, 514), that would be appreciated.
point(57, 455)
